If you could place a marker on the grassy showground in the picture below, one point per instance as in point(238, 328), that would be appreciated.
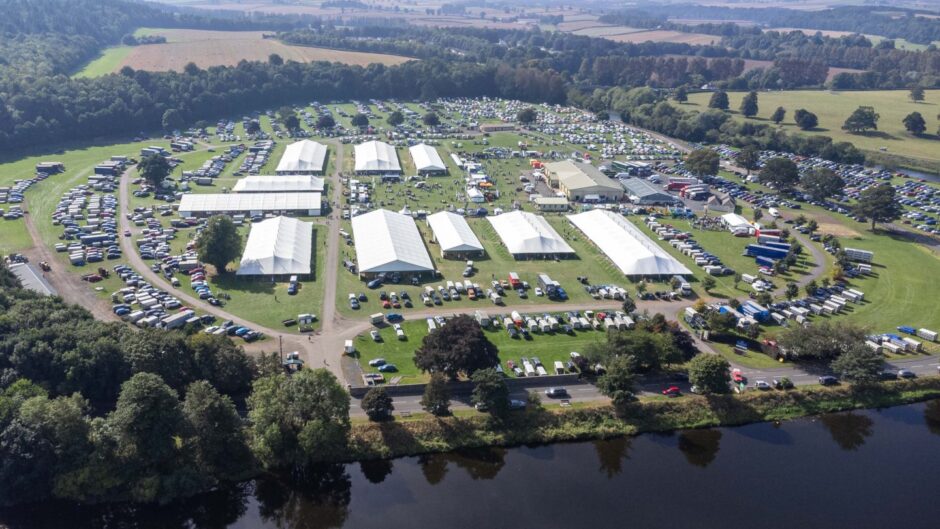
point(833, 107)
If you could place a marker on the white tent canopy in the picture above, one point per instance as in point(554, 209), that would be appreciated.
point(525, 233)
point(453, 234)
point(376, 156)
point(426, 158)
point(389, 242)
point(279, 184)
point(630, 249)
point(278, 246)
point(302, 157)
point(305, 203)
point(734, 221)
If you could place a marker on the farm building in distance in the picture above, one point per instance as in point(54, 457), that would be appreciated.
point(201, 205)
point(551, 203)
point(427, 160)
point(389, 242)
point(529, 236)
point(635, 254)
point(376, 157)
point(278, 247)
point(582, 182)
point(643, 193)
point(454, 236)
point(304, 157)
point(497, 127)
point(279, 184)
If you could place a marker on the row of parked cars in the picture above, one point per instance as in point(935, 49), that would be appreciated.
point(89, 222)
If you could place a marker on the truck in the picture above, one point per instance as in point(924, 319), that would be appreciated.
point(684, 287)
point(514, 281)
point(757, 250)
point(377, 318)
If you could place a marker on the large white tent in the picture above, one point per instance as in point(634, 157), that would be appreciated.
point(279, 184)
point(278, 246)
point(192, 204)
point(377, 157)
point(454, 235)
point(389, 242)
point(302, 157)
point(528, 235)
point(630, 249)
point(427, 160)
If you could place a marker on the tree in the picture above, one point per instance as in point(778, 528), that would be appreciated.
point(708, 283)
point(805, 119)
point(275, 60)
point(811, 287)
point(861, 120)
point(490, 392)
point(360, 120)
point(172, 120)
point(859, 364)
point(915, 123)
point(721, 322)
point(702, 162)
point(823, 340)
point(681, 94)
point(821, 183)
point(779, 115)
point(288, 118)
point(719, 100)
point(460, 347)
point(710, 373)
point(618, 381)
point(326, 122)
point(792, 290)
point(917, 93)
point(780, 173)
point(154, 169)
point(300, 419)
point(749, 107)
point(527, 115)
point(878, 205)
point(651, 345)
point(219, 243)
point(377, 404)
point(436, 399)
point(396, 118)
point(749, 158)
point(221, 448)
point(431, 119)
point(252, 127)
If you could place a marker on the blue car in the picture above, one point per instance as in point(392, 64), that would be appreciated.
point(388, 368)
point(393, 317)
point(241, 331)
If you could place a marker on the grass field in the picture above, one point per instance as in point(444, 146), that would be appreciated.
point(833, 108)
point(678, 37)
point(217, 48)
point(547, 347)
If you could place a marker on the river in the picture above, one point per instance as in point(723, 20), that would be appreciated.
point(866, 469)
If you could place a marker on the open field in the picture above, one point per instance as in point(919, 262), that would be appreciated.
point(678, 37)
point(606, 31)
point(218, 48)
point(901, 44)
point(833, 107)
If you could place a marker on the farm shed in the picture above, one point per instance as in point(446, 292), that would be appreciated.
point(454, 236)
point(529, 236)
point(376, 157)
point(295, 183)
point(579, 181)
point(304, 157)
point(551, 203)
point(626, 246)
point(277, 247)
point(389, 242)
point(200, 205)
point(427, 160)
point(644, 193)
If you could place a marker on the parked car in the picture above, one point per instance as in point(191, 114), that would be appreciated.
point(828, 380)
point(906, 373)
point(556, 393)
point(672, 391)
point(375, 362)
point(762, 385)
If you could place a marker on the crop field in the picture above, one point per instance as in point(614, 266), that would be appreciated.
point(833, 107)
point(606, 31)
point(547, 347)
point(218, 48)
point(678, 37)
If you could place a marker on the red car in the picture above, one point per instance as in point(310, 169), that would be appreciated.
point(672, 391)
point(737, 376)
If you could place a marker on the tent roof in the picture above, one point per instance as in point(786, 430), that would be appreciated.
point(377, 156)
point(389, 242)
point(249, 202)
point(525, 233)
point(579, 175)
point(453, 233)
point(426, 158)
point(734, 220)
point(277, 246)
point(641, 188)
point(630, 249)
point(278, 184)
point(30, 279)
point(303, 156)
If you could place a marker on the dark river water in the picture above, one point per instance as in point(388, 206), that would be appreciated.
point(870, 469)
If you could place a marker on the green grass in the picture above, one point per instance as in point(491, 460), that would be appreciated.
point(106, 63)
point(833, 108)
point(13, 236)
point(547, 347)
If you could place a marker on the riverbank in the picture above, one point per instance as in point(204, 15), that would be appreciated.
point(537, 425)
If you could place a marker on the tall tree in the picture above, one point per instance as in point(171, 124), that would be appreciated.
point(527, 115)
point(719, 100)
point(862, 119)
point(396, 118)
point(219, 243)
point(749, 107)
point(221, 448)
point(326, 122)
point(681, 94)
point(749, 158)
point(821, 183)
point(172, 120)
point(460, 347)
point(710, 373)
point(377, 404)
point(431, 119)
point(781, 173)
point(915, 123)
point(702, 162)
point(619, 379)
point(288, 118)
point(360, 120)
point(859, 364)
point(436, 399)
point(778, 115)
point(490, 392)
point(154, 169)
point(878, 205)
point(917, 93)
point(805, 119)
